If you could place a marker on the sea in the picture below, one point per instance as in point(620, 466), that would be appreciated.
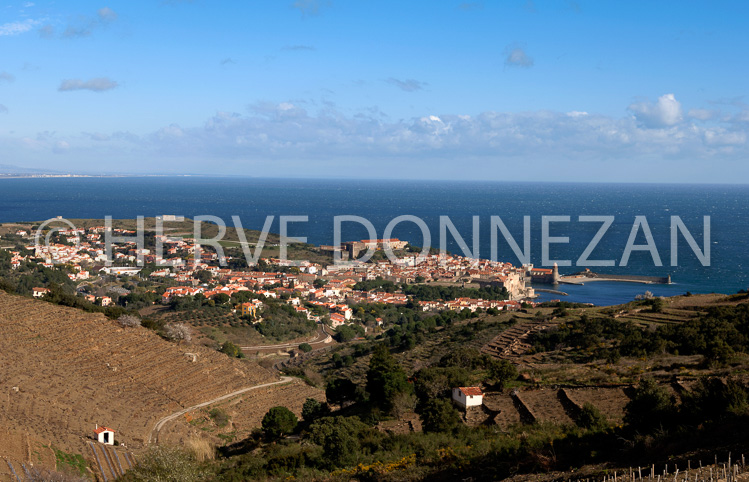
point(637, 206)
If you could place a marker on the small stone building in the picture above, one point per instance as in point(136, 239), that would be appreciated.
point(104, 435)
point(466, 397)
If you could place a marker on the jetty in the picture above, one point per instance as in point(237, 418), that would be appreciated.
point(589, 276)
point(554, 292)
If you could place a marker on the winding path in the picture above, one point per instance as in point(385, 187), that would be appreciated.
point(321, 337)
point(154, 436)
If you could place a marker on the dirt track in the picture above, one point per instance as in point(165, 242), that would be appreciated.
point(154, 437)
point(321, 338)
point(63, 371)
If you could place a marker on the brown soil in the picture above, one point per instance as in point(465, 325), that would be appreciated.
point(245, 413)
point(609, 401)
point(63, 371)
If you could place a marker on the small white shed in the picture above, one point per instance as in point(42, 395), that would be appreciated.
point(468, 396)
point(104, 435)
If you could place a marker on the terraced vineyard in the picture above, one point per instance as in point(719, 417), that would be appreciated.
point(547, 405)
point(668, 316)
point(559, 405)
point(512, 343)
point(20, 452)
point(207, 317)
point(110, 462)
point(609, 401)
point(244, 412)
point(64, 371)
point(544, 405)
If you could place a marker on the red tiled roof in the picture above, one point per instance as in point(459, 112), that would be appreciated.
point(102, 429)
point(471, 391)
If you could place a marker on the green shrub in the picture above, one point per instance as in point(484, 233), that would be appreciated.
point(501, 372)
point(439, 415)
point(385, 379)
point(650, 408)
point(219, 417)
point(591, 418)
point(714, 399)
point(74, 462)
point(313, 409)
point(166, 464)
point(279, 421)
point(232, 350)
point(305, 347)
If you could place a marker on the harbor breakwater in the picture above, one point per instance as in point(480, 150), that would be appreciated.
point(587, 275)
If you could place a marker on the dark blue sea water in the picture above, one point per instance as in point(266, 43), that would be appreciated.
point(381, 201)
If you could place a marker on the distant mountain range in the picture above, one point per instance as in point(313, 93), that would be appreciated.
point(10, 169)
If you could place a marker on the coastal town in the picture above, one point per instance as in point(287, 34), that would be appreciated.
point(321, 292)
point(336, 241)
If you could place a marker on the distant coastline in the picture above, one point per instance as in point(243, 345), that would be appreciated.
point(253, 199)
point(67, 176)
point(43, 176)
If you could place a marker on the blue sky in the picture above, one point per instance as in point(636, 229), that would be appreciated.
point(506, 90)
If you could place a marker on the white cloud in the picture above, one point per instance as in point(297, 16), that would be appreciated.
point(287, 131)
point(85, 25)
point(408, 85)
point(48, 31)
point(702, 114)
point(172, 131)
point(271, 138)
point(16, 28)
point(76, 32)
point(106, 14)
point(97, 136)
point(516, 57)
point(7, 77)
point(61, 147)
point(3, 109)
point(284, 110)
point(96, 85)
point(721, 136)
point(309, 7)
point(297, 48)
point(743, 116)
point(665, 112)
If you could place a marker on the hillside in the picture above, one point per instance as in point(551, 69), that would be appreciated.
point(186, 229)
point(64, 371)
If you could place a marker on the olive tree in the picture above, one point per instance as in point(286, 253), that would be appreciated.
point(178, 332)
point(128, 321)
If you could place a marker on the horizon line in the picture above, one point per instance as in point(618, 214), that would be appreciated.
point(71, 175)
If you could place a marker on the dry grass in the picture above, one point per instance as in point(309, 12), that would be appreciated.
point(201, 449)
point(74, 370)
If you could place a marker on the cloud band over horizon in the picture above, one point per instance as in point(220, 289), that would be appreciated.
point(513, 142)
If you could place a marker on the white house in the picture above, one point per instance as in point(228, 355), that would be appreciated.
point(104, 435)
point(468, 397)
point(347, 313)
point(40, 292)
point(120, 270)
point(336, 320)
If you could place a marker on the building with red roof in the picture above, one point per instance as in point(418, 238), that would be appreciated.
point(466, 397)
